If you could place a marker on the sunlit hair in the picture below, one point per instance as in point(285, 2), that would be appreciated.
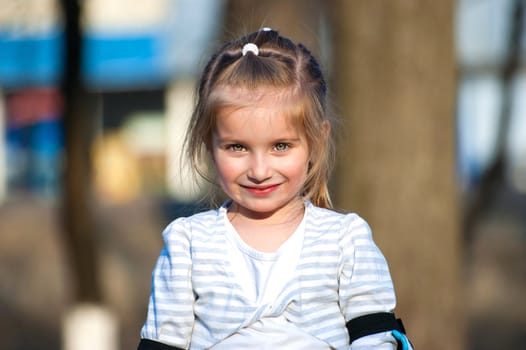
point(295, 75)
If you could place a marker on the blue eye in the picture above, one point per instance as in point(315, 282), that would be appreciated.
point(281, 146)
point(237, 147)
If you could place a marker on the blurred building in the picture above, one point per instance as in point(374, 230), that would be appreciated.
point(484, 34)
point(136, 59)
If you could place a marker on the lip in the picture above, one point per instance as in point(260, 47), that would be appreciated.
point(261, 190)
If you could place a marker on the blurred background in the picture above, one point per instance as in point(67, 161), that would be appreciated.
point(94, 98)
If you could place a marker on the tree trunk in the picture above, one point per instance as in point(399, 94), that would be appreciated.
point(297, 19)
point(395, 87)
point(79, 224)
point(88, 323)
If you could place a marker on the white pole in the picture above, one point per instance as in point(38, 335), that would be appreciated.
point(88, 327)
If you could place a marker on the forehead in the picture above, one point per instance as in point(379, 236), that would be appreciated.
point(264, 100)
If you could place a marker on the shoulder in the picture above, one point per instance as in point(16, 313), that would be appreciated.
point(345, 223)
point(198, 224)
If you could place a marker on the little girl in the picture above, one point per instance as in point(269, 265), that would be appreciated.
point(274, 267)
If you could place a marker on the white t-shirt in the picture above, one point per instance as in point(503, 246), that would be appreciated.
point(263, 275)
point(198, 297)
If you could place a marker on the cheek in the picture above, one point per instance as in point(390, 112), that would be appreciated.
point(298, 170)
point(227, 169)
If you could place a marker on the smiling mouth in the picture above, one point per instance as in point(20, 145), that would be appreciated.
point(260, 191)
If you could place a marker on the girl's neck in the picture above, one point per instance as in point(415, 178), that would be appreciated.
point(282, 216)
point(267, 233)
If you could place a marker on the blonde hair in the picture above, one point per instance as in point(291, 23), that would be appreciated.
point(279, 64)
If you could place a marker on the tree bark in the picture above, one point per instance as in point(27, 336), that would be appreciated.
point(79, 223)
point(297, 19)
point(395, 85)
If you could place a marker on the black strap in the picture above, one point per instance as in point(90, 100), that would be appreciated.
point(373, 323)
point(357, 327)
point(147, 344)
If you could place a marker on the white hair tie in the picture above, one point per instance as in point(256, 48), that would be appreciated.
point(250, 47)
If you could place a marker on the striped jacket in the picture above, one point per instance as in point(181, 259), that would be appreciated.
point(196, 302)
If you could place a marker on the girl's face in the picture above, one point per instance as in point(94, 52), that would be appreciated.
point(261, 158)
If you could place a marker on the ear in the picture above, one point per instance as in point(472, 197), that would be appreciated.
point(325, 129)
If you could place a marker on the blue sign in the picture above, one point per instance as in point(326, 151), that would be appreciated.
point(131, 58)
point(30, 60)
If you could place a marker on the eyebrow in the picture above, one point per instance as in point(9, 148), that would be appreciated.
point(240, 141)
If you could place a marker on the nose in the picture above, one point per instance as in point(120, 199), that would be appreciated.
point(260, 169)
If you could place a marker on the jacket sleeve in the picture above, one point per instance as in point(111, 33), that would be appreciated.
point(170, 316)
point(365, 282)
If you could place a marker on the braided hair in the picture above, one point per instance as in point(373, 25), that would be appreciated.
point(263, 61)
